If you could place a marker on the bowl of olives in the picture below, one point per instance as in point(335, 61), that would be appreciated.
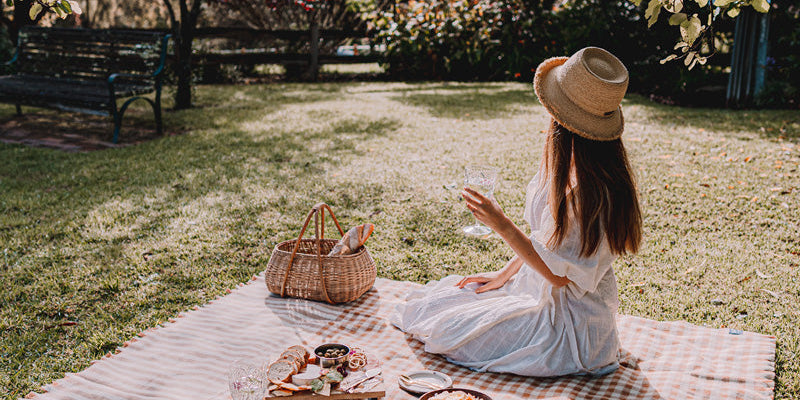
point(332, 355)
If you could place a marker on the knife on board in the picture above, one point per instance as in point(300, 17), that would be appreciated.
point(371, 373)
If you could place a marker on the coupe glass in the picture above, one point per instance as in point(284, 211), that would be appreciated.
point(482, 179)
point(247, 381)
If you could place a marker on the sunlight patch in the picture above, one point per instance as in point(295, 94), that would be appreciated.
point(113, 219)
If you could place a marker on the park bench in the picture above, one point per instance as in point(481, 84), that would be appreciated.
point(87, 71)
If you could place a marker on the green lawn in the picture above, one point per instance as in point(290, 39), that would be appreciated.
point(96, 247)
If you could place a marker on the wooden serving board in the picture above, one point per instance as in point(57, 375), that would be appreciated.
point(378, 392)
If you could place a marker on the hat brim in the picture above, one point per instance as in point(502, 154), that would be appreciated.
point(567, 113)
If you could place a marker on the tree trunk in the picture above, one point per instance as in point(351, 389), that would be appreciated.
point(22, 18)
point(185, 32)
point(183, 68)
point(313, 67)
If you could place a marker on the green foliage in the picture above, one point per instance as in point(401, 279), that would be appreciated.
point(617, 27)
point(294, 14)
point(782, 88)
point(696, 21)
point(490, 40)
point(508, 39)
point(62, 8)
point(466, 40)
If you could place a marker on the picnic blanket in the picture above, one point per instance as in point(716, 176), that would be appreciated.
point(189, 358)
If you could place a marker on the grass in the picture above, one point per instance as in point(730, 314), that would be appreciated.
point(96, 247)
point(328, 72)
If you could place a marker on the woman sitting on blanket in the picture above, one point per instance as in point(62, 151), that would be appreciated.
point(551, 310)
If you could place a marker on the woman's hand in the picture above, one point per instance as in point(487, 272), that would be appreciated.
point(484, 209)
point(489, 212)
point(487, 280)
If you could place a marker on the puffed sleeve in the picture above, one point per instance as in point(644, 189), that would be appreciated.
point(584, 272)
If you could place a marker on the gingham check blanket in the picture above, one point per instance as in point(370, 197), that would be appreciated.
point(188, 358)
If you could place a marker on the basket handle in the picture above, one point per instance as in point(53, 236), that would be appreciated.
point(318, 211)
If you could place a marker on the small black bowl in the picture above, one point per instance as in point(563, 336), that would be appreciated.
point(475, 393)
point(328, 362)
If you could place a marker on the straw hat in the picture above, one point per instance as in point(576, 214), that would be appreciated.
point(583, 92)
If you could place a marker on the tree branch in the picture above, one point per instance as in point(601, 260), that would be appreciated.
point(196, 7)
point(184, 7)
point(194, 13)
point(171, 11)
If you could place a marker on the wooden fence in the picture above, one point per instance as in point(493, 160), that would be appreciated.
point(312, 58)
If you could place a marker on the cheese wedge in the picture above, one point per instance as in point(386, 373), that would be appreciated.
point(304, 378)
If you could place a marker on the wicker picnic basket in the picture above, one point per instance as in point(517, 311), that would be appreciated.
point(301, 267)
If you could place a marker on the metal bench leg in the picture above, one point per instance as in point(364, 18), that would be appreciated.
point(119, 113)
point(157, 111)
point(117, 127)
point(19, 110)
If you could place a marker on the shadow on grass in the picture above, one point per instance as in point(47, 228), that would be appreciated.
point(469, 102)
point(410, 87)
point(216, 155)
point(97, 246)
point(767, 123)
point(214, 108)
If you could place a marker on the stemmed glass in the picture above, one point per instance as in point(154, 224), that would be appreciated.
point(247, 381)
point(482, 179)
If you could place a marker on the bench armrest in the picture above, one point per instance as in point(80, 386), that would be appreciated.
point(154, 75)
point(163, 62)
point(138, 77)
point(13, 59)
point(153, 78)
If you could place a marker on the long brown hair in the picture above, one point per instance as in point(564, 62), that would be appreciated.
point(593, 181)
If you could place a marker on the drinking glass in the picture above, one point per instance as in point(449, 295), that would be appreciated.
point(247, 381)
point(482, 179)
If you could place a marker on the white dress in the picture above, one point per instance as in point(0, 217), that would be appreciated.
point(527, 327)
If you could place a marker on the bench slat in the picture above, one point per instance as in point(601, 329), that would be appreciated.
point(87, 52)
point(69, 69)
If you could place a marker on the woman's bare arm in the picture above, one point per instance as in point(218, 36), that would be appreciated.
point(490, 213)
point(495, 279)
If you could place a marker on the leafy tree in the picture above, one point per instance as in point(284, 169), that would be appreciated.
point(184, 28)
point(467, 39)
point(696, 20)
point(290, 14)
point(19, 13)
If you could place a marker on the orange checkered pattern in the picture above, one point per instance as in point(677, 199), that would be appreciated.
point(189, 357)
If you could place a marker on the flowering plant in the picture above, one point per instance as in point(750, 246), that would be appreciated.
point(465, 39)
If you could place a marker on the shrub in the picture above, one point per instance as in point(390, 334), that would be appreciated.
point(507, 39)
point(782, 87)
point(463, 39)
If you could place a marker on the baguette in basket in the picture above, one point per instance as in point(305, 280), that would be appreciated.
point(303, 267)
point(352, 240)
